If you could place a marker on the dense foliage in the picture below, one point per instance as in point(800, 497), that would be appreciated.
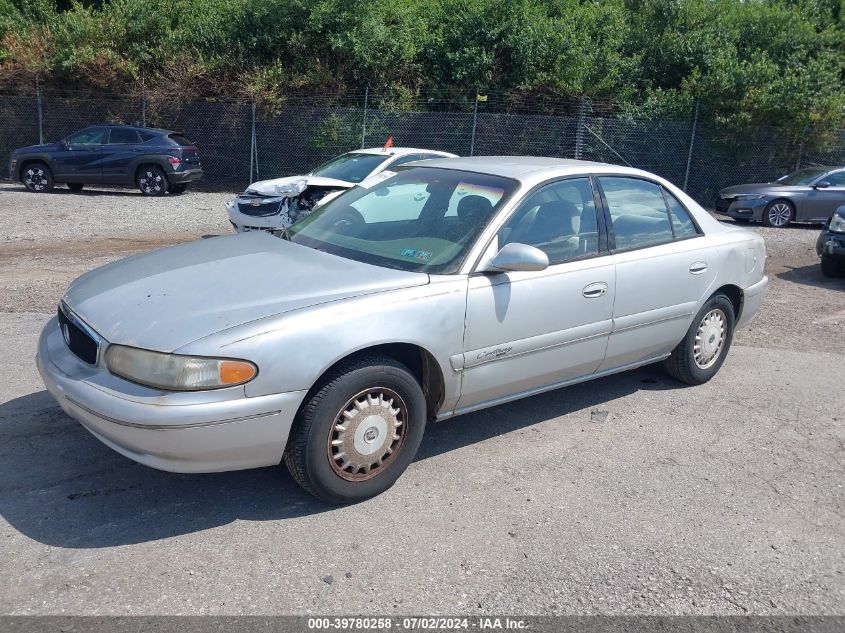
point(750, 63)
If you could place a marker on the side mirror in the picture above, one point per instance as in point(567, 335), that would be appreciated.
point(516, 257)
point(821, 184)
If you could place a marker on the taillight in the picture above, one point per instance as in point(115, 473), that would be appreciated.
point(174, 161)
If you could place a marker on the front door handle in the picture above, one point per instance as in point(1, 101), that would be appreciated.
point(595, 290)
point(697, 268)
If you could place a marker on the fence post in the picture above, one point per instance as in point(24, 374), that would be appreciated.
point(474, 121)
point(801, 147)
point(40, 111)
point(691, 146)
point(253, 148)
point(582, 124)
point(364, 124)
point(143, 103)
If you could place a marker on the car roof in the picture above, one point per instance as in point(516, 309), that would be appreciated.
point(400, 151)
point(125, 126)
point(527, 168)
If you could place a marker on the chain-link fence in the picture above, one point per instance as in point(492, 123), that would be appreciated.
point(241, 141)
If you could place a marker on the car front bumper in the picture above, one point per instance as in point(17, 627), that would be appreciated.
point(742, 209)
point(831, 244)
point(242, 222)
point(187, 432)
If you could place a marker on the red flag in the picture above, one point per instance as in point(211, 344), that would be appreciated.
point(388, 144)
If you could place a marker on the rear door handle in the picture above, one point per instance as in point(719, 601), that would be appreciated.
point(595, 290)
point(697, 268)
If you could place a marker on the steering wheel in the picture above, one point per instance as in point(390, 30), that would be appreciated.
point(348, 222)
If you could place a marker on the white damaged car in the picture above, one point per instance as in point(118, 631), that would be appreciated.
point(273, 205)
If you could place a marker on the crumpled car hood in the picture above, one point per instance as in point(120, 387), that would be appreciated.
point(271, 187)
point(165, 299)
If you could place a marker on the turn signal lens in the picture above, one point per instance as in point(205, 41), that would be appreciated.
point(234, 372)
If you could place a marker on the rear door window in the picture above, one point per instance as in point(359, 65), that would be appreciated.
point(122, 136)
point(638, 212)
point(682, 223)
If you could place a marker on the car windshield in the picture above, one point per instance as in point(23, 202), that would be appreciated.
point(801, 177)
point(420, 220)
point(352, 167)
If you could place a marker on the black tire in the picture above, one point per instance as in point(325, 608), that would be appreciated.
point(152, 181)
point(178, 188)
point(831, 267)
point(310, 453)
point(37, 178)
point(75, 186)
point(773, 214)
point(683, 364)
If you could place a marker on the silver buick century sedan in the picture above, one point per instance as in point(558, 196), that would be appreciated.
point(454, 285)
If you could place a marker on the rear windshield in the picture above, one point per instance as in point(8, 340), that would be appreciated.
point(180, 140)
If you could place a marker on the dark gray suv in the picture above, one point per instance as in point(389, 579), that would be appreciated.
point(807, 195)
point(156, 161)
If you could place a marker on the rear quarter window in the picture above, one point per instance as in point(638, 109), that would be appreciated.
point(180, 139)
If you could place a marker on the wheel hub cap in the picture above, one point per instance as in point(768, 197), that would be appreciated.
point(35, 178)
point(779, 214)
point(709, 339)
point(367, 434)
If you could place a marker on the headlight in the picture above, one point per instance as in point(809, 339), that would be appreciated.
point(294, 188)
point(177, 372)
point(749, 196)
point(837, 223)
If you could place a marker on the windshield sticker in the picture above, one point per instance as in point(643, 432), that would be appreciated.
point(412, 253)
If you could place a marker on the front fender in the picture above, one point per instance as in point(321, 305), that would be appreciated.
point(294, 349)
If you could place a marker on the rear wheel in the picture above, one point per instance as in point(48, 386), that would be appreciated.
point(75, 186)
point(178, 188)
point(152, 181)
point(358, 432)
point(699, 356)
point(831, 267)
point(37, 178)
point(778, 214)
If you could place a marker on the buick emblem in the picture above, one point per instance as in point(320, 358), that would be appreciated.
point(255, 203)
point(66, 333)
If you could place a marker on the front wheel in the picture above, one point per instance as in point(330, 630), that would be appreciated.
point(152, 181)
point(38, 178)
point(358, 431)
point(699, 356)
point(778, 214)
point(832, 268)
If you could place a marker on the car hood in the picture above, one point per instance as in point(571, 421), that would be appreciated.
point(756, 187)
point(278, 186)
point(31, 149)
point(165, 299)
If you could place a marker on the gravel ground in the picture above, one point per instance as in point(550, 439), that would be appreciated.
point(630, 494)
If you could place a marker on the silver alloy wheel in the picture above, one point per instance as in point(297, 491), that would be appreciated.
point(779, 214)
point(150, 182)
point(35, 179)
point(710, 339)
point(367, 434)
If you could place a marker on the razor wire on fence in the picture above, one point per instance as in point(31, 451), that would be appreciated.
point(243, 140)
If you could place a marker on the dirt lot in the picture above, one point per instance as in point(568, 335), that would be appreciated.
point(725, 498)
